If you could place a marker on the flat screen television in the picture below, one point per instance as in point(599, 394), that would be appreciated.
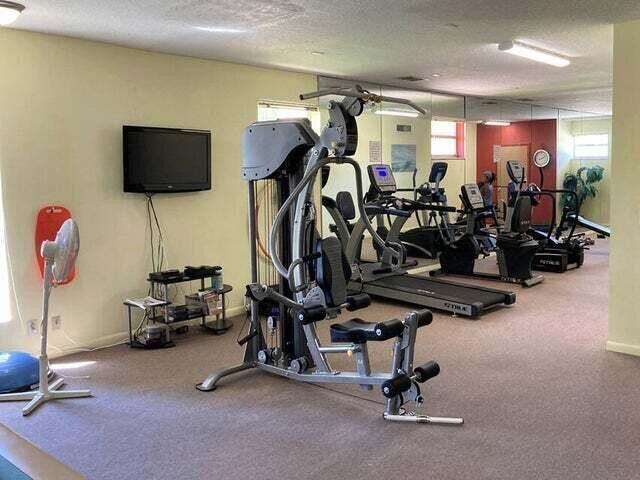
point(164, 160)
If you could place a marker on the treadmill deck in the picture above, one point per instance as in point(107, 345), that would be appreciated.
point(438, 294)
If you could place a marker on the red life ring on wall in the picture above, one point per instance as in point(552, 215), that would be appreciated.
point(49, 221)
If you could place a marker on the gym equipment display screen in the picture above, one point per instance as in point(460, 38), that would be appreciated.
point(164, 160)
point(382, 177)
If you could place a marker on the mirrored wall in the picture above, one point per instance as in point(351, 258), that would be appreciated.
point(474, 135)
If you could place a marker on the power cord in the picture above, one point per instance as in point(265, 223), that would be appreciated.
point(160, 250)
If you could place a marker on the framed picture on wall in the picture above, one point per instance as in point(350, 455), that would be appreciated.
point(403, 157)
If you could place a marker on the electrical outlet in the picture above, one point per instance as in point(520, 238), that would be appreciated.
point(33, 327)
point(56, 322)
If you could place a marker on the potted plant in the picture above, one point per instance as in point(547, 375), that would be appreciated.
point(583, 182)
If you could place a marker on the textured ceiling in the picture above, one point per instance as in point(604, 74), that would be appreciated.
point(375, 40)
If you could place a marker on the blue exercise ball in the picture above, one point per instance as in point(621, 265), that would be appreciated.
point(18, 372)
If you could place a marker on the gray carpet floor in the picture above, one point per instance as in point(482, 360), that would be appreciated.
point(540, 396)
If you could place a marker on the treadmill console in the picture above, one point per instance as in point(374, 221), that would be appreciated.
point(472, 197)
point(515, 171)
point(438, 171)
point(381, 178)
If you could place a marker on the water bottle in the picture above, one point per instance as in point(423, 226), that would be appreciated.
point(216, 280)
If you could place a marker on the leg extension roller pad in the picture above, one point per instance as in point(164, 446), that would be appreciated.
point(426, 372)
point(396, 385)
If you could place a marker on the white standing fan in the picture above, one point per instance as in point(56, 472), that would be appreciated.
point(59, 258)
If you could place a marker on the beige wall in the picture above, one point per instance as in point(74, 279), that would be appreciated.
point(624, 316)
point(471, 151)
point(63, 103)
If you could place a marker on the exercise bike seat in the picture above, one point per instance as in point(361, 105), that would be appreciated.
point(359, 331)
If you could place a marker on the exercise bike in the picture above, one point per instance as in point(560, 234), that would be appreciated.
point(514, 247)
point(313, 272)
point(557, 253)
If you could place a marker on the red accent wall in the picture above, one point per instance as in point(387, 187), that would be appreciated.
point(535, 134)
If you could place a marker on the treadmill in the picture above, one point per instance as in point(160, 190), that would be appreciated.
point(388, 277)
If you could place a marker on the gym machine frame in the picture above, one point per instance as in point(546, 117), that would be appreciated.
point(290, 152)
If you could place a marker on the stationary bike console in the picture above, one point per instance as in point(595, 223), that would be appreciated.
point(471, 197)
point(438, 171)
point(382, 179)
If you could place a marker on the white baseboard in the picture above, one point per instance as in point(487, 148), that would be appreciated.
point(627, 348)
point(102, 342)
point(115, 339)
point(236, 311)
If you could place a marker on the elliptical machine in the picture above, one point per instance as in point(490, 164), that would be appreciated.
point(515, 249)
point(434, 228)
point(313, 272)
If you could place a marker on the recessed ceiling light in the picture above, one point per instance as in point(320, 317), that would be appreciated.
point(220, 29)
point(317, 53)
point(435, 75)
point(9, 12)
point(497, 123)
point(533, 53)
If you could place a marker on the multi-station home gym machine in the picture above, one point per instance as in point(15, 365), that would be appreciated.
point(312, 272)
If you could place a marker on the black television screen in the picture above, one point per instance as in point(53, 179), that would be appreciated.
point(162, 160)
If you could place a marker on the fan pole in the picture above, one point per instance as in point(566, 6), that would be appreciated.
point(44, 328)
point(45, 391)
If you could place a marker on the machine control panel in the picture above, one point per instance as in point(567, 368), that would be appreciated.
point(438, 171)
point(381, 178)
point(515, 171)
point(472, 196)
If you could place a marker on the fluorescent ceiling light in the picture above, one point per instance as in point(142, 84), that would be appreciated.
point(397, 113)
point(533, 53)
point(220, 29)
point(497, 123)
point(9, 12)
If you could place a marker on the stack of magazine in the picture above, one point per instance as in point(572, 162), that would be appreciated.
point(145, 302)
point(212, 300)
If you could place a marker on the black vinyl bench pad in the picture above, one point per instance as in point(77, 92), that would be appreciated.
point(359, 331)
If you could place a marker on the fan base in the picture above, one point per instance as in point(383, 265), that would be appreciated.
point(40, 396)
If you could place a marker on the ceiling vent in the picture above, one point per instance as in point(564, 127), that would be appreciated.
point(411, 78)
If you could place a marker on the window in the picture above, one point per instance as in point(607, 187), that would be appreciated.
point(275, 111)
point(447, 139)
point(592, 145)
